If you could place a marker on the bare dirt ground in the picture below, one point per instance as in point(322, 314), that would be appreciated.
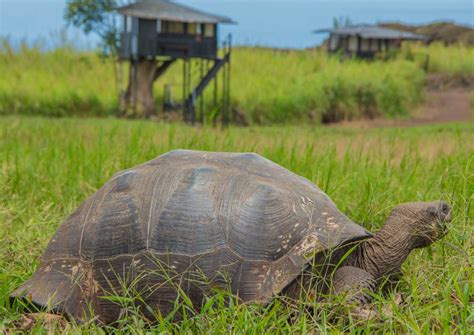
point(445, 101)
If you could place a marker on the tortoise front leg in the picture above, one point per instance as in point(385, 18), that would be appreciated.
point(355, 284)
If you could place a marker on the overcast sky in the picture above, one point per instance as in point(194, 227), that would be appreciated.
point(279, 23)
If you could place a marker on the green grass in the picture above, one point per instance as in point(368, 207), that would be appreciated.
point(280, 86)
point(268, 86)
point(48, 166)
point(454, 61)
point(457, 60)
point(58, 83)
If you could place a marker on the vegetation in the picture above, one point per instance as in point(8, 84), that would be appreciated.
point(301, 85)
point(48, 166)
point(268, 86)
point(57, 83)
point(454, 61)
point(97, 17)
point(445, 32)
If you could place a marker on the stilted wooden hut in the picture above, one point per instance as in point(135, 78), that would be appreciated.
point(158, 32)
point(365, 41)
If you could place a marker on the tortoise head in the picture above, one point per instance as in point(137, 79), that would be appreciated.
point(424, 222)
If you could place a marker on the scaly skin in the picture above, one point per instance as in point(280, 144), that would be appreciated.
point(355, 283)
point(410, 226)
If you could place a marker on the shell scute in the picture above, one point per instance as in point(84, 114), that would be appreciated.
point(113, 226)
point(266, 213)
point(188, 223)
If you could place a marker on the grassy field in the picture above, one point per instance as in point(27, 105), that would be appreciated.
point(48, 166)
point(268, 86)
point(450, 61)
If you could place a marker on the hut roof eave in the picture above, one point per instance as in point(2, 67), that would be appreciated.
point(170, 11)
point(375, 32)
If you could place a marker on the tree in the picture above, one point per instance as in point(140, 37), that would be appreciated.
point(341, 22)
point(100, 17)
point(97, 17)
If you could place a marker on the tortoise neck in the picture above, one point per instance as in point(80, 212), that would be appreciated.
point(385, 253)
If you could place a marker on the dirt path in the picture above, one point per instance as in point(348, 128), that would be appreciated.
point(449, 105)
point(442, 104)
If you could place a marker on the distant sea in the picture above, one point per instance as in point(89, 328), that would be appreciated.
point(284, 24)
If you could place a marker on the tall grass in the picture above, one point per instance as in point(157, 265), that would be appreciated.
point(55, 83)
point(456, 60)
point(281, 86)
point(268, 86)
point(48, 166)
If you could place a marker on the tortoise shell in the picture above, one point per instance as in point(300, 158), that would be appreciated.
point(190, 220)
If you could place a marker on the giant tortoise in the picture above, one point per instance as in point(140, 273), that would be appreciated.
point(188, 222)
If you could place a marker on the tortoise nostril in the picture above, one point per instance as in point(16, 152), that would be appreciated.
point(445, 212)
point(445, 209)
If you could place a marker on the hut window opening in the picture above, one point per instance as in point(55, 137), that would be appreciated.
point(374, 45)
point(173, 27)
point(194, 29)
point(364, 45)
point(209, 30)
point(352, 43)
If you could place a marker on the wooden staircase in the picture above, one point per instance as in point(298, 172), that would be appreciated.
point(190, 102)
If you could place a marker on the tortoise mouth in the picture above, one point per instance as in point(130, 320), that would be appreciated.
point(446, 216)
point(443, 227)
point(444, 230)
